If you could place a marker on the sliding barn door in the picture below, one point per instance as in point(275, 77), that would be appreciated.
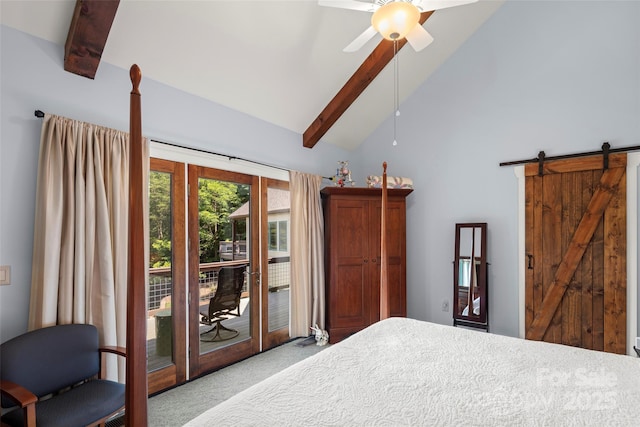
point(575, 280)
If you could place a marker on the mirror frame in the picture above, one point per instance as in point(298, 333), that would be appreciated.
point(480, 320)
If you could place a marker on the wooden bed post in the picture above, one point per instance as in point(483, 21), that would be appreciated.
point(136, 381)
point(385, 309)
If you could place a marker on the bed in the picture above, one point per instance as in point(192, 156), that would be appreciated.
point(400, 371)
point(405, 372)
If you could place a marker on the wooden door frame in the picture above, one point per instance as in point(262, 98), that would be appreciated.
point(633, 161)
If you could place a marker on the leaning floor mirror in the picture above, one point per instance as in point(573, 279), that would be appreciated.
point(470, 276)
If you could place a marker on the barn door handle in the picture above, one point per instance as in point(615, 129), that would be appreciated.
point(530, 266)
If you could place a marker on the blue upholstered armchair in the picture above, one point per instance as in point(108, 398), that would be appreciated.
point(52, 377)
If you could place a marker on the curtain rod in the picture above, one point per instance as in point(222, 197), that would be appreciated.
point(171, 144)
point(200, 150)
point(605, 149)
point(40, 114)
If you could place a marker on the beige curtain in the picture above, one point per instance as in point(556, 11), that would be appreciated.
point(307, 254)
point(79, 271)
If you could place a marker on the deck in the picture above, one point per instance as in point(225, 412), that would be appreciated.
point(159, 357)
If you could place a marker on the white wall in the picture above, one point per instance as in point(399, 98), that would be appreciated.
point(558, 76)
point(32, 77)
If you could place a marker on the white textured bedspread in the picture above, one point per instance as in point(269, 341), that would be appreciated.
point(407, 372)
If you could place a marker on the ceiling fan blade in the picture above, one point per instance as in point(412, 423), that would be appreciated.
point(350, 4)
point(419, 38)
point(427, 5)
point(360, 41)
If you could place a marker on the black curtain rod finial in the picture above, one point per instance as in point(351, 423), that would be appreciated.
point(39, 114)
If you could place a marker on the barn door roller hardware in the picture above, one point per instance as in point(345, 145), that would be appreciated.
point(605, 156)
point(605, 151)
point(541, 157)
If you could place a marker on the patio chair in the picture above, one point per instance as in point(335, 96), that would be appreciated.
point(225, 302)
point(52, 377)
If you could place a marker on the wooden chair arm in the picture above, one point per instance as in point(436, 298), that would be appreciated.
point(119, 351)
point(23, 397)
point(17, 393)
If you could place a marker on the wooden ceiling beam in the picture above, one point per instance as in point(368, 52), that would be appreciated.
point(90, 26)
point(364, 75)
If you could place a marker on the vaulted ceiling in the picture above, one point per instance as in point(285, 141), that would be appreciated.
point(279, 61)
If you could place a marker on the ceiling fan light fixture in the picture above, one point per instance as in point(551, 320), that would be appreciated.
point(395, 20)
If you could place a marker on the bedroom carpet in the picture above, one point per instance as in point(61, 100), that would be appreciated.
point(177, 406)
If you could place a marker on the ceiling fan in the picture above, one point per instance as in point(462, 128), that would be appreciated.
point(394, 19)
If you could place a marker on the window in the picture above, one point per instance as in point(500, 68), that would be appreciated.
point(282, 235)
point(278, 236)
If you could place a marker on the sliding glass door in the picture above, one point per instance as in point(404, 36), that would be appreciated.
point(219, 269)
point(224, 255)
point(166, 311)
point(276, 266)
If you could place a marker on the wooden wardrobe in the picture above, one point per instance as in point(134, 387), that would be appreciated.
point(352, 257)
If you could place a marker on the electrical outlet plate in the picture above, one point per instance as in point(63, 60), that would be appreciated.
point(445, 305)
point(5, 275)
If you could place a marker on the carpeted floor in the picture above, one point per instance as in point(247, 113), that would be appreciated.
point(177, 406)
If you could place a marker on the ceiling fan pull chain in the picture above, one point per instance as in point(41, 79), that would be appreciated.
point(396, 87)
point(397, 72)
